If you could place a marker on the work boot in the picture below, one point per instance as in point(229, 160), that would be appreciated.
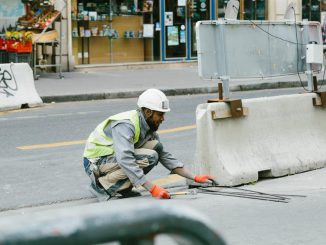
point(129, 193)
point(100, 193)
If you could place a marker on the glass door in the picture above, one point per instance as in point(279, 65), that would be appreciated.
point(253, 9)
point(175, 28)
point(311, 9)
point(198, 10)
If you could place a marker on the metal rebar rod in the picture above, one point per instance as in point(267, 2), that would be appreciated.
point(259, 192)
point(270, 194)
point(246, 196)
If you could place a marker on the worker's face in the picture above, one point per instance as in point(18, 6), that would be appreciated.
point(154, 119)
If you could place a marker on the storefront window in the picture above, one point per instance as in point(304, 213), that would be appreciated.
point(323, 19)
point(122, 31)
point(249, 9)
point(260, 10)
point(115, 31)
point(254, 10)
point(311, 10)
point(200, 11)
point(175, 29)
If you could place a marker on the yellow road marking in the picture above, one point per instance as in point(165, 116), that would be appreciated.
point(170, 179)
point(165, 181)
point(2, 113)
point(172, 130)
point(79, 142)
point(52, 145)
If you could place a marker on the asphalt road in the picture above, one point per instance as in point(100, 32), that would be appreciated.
point(35, 171)
point(41, 148)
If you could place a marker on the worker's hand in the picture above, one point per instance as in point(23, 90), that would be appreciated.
point(203, 178)
point(159, 192)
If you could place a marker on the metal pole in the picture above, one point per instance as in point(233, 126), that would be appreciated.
point(110, 25)
point(310, 77)
point(69, 37)
point(315, 82)
point(226, 90)
point(34, 60)
point(220, 91)
point(60, 48)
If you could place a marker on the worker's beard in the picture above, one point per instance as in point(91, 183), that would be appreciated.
point(151, 123)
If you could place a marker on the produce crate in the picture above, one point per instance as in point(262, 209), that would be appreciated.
point(20, 58)
point(3, 56)
point(9, 42)
point(20, 47)
point(3, 45)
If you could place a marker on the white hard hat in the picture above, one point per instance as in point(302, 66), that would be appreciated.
point(154, 99)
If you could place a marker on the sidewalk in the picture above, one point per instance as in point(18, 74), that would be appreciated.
point(239, 220)
point(102, 83)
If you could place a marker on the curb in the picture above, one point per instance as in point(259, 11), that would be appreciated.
point(135, 66)
point(168, 182)
point(125, 94)
point(171, 92)
point(275, 85)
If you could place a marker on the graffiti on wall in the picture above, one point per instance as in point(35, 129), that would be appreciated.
point(8, 84)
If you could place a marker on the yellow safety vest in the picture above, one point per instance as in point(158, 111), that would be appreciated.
point(99, 144)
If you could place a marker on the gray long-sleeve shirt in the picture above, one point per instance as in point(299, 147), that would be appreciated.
point(122, 132)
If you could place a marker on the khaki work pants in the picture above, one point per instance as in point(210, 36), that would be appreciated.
point(113, 178)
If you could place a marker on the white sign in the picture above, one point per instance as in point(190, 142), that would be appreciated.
point(168, 18)
point(148, 30)
point(181, 2)
point(17, 86)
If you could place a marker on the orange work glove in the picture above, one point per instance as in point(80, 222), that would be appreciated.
point(202, 178)
point(159, 192)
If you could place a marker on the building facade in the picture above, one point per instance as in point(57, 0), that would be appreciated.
point(103, 32)
point(123, 31)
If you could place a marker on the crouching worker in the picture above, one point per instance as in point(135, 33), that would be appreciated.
point(125, 147)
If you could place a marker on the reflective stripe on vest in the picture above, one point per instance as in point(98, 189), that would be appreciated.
point(99, 144)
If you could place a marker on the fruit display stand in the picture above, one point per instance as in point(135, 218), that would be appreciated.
point(20, 52)
point(3, 51)
point(40, 19)
point(16, 47)
point(48, 38)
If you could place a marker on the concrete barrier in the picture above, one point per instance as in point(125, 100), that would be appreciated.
point(281, 135)
point(17, 87)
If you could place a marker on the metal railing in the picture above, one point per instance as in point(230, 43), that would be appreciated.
point(136, 224)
